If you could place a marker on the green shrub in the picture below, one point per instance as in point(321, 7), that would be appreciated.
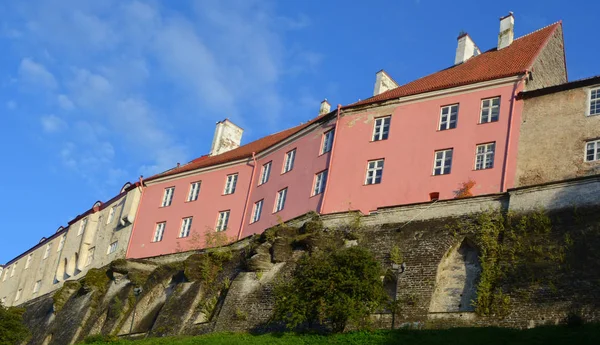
point(332, 289)
point(62, 295)
point(12, 329)
point(99, 338)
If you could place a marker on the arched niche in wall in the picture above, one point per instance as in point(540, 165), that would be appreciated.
point(61, 272)
point(456, 281)
point(125, 186)
point(71, 268)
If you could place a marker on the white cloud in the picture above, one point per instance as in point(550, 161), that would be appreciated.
point(52, 124)
point(36, 74)
point(65, 102)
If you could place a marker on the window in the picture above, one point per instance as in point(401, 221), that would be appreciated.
point(61, 244)
point(374, 171)
point(289, 161)
point(257, 211)
point(111, 215)
point(484, 158)
point(280, 201)
point(230, 183)
point(19, 292)
point(37, 286)
point(28, 262)
point(592, 151)
point(90, 256)
point(82, 226)
point(222, 220)
point(320, 180)
point(490, 110)
point(186, 225)
point(47, 252)
point(158, 233)
point(194, 191)
point(168, 196)
point(327, 141)
point(595, 101)
point(443, 162)
point(12, 273)
point(265, 173)
point(382, 128)
point(448, 117)
point(113, 247)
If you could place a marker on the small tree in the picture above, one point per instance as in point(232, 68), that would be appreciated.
point(12, 329)
point(331, 289)
point(465, 190)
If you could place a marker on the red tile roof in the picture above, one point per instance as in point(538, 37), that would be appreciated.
point(241, 152)
point(493, 64)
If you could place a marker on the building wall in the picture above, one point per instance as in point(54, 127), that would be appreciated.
point(550, 67)
point(409, 151)
point(204, 211)
point(299, 181)
point(553, 133)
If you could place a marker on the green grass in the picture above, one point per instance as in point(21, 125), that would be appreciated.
point(588, 334)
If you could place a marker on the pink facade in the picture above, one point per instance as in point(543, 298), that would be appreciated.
point(408, 152)
point(211, 199)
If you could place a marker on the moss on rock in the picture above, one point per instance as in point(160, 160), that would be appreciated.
point(62, 295)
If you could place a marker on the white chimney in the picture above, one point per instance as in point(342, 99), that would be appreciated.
point(227, 137)
point(466, 49)
point(507, 31)
point(325, 107)
point(383, 82)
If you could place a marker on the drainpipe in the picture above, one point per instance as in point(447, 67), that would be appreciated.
point(509, 133)
point(239, 236)
point(137, 213)
point(335, 136)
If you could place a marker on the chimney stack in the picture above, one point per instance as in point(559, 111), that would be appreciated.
point(466, 49)
point(383, 82)
point(325, 107)
point(227, 137)
point(507, 31)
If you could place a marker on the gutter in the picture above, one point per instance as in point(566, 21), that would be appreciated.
point(248, 196)
point(335, 136)
point(509, 133)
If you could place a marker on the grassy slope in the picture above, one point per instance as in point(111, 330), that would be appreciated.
point(589, 334)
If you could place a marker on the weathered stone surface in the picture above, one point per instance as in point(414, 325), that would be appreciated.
point(260, 262)
point(282, 250)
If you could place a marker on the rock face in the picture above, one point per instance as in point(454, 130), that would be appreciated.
point(438, 279)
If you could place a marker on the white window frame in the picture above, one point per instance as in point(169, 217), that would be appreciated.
point(288, 163)
point(320, 182)
point(37, 286)
point(374, 168)
point(442, 161)
point(90, 256)
point(112, 247)
point(381, 128)
point(82, 226)
point(265, 173)
point(490, 110)
point(28, 262)
point(111, 215)
point(595, 91)
point(186, 227)
point(327, 141)
point(230, 184)
point(595, 146)
point(280, 200)
point(484, 156)
point(61, 244)
point(194, 191)
point(446, 119)
point(159, 231)
point(168, 197)
point(257, 210)
point(222, 220)
point(47, 251)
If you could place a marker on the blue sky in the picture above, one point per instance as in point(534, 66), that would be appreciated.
point(97, 93)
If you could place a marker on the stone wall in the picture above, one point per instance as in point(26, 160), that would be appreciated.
point(549, 67)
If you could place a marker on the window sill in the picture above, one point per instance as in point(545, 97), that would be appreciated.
point(433, 175)
point(165, 206)
point(314, 195)
point(285, 172)
point(324, 153)
point(227, 194)
point(483, 169)
point(278, 211)
point(378, 141)
point(445, 130)
point(487, 123)
point(188, 201)
point(370, 184)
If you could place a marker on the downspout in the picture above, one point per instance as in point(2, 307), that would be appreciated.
point(330, 165)
point(239, 236)
point(137, 213)
point(509, 133)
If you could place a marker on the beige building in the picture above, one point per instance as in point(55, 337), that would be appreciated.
point(560, 133)
point(92, 239)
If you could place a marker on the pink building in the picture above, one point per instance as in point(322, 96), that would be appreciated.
point(408, 143)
